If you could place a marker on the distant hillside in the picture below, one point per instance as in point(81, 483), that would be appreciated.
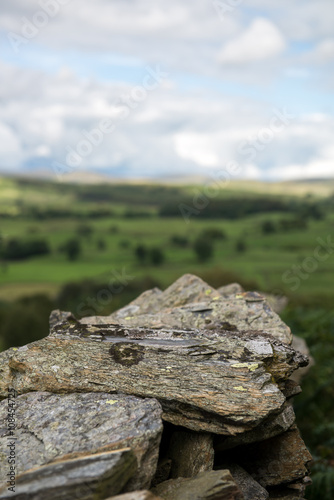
point(301, 187)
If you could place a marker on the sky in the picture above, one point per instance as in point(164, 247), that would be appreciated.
point(168, 88)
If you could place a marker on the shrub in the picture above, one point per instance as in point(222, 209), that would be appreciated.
point(124, 244)
point(156, 256)
point(180, 241)
point(141, 253)
point(203, 249)
point(268, 227)
point(101, 245)
point(240, 246)
point(72, 249)
point(214, 233)
point(85, 231)
point(16, 248)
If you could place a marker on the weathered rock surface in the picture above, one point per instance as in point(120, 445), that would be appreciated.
point(230, 290)
point(136, 495)
point(192, 303)
point(272, 426)
point(280, 460)
point(277, 302)
point(93, 477)
point(51, 426)
point(300, 345)
point(216, 365)
point(201, 378)
point(191, 453)
point(250, 489)
point(214, 485)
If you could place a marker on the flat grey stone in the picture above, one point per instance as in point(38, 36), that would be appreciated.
point(92, 477)
point(50, 426)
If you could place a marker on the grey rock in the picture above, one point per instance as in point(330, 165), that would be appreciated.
point(230, 290)
point(277, 302)
point(136, 495)
point(272, 426)
point(192, 303)
point(248, 486)
point(214, 485)
point(191, 453)
point(92, 477)
point(201, 378)
point(300, 345)
point(51, 426)
point(277, 461)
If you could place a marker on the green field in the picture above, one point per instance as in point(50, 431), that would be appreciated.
point(264, 261)
point(287, 260)
point(266, 258)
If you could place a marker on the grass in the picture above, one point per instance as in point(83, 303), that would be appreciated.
point(263, 265)
point(265, 260)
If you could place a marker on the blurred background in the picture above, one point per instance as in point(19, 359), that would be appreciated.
point(141, 140)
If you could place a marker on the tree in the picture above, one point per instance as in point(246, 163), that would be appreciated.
point(101, 244)
point(214, 233)
point(85, 231)
point(268, 227)
point(241, 246)
point(180, 241)
point(72, 248)
point(156, 256)
point(141, 253)
point(203, 249)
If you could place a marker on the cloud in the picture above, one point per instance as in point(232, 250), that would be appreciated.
point(225, 78)
point(260, 41)
point(322, 53)
point(10, 147)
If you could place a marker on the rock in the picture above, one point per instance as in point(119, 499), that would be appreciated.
point(230, 290)
point(188, 289)
point(136, 495)
point(191, 453)
point(216, 365)
point(65, 426)
point(279, 460)
point(272, 426)
point(300, 345)
point(214, 485)
point(192, 303)
point(164, 468)
point(92, 477)
point(291, 388)
point(200, 377)
point(277, 302)
point(250, 489)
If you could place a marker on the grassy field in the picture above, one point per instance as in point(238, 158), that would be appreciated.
point(265, 260)
point(283, 262)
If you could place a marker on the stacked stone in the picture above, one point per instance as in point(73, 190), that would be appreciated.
point(182, 394)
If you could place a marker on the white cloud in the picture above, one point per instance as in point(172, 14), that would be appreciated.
point(322, 53)
point(169, 132)
point(260, 41)
point(188, 124)
point(10, 147)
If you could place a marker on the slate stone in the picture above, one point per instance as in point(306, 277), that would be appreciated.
point(214, 485)
point(92, 477)
point(191, 453)
point(250, 488)
point(280, 460)
point(192, 303)
point(136, 495)
point(51, 426)
point(201, 378)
